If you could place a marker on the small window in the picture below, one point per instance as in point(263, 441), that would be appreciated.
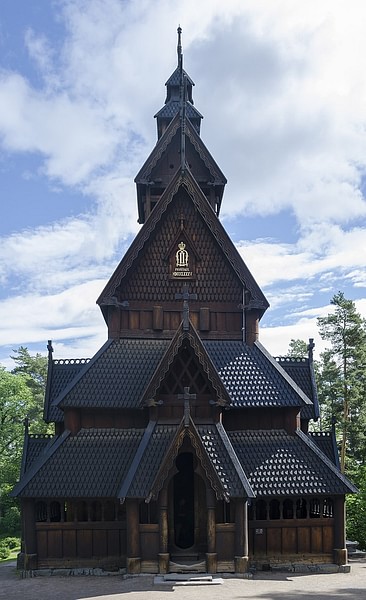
point(314, 508)
point(274, 509)
point(288, 509)
point(301, 509)
point(96, 511)
point(82, 511)
point(109, 511)
point(328, 510)
point(55, 512)
point(260, 510)
point(41, 512)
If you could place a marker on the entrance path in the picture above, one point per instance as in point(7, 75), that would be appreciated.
point(263, 586)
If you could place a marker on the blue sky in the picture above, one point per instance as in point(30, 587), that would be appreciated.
point(283, 92)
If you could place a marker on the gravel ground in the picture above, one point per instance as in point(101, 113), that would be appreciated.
point(263, 586)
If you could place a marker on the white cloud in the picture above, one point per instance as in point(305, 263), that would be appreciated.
point(282, 90)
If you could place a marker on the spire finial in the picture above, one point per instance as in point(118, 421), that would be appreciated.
point(179, 48)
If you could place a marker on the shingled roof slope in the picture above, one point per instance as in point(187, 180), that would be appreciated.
point(224, 460)
point(302, 372)
point(162, 144)
point(326, 442)
point(252, 377)
point(34, 445)
point(92, 463)
point(154, 453)
point(117, 376)
point(279, 464)
point(61, 374)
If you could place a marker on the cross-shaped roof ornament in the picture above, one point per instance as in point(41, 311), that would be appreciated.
point(185, 296)
point(186, 397)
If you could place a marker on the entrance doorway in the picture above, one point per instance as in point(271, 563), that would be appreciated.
point(183, 486)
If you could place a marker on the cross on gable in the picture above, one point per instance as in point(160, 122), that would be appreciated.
point(185, 296)
point(186, 397)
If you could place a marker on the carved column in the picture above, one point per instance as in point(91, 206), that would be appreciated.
point(241, 536)
point(163, 532)
point(133, 537)
point(211, 555)
point(340, 550)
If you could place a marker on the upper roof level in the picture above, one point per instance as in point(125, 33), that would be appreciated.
point(178, 96)
point(179, 148)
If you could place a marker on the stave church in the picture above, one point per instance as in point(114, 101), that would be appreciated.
point(182, 445)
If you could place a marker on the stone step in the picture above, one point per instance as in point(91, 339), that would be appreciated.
point(177, 579)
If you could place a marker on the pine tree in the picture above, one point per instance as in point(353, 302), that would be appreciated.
point(341, 376)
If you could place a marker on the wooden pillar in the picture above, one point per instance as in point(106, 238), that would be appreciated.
point(211, 555)
point(133, 537)
point(340, 550)
point(241, 536)
point(30, 536)
point(163, 532)
point(251, 327)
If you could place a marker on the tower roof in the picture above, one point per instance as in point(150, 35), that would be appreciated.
point(178, 96)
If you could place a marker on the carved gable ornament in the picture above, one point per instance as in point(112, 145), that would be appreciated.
point(182, 259)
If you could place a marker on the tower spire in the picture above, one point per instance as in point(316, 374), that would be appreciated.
point(179, 49)
point(182, 85)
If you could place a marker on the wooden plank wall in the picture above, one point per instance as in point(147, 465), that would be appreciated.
point(93, 543)
point(281, 538)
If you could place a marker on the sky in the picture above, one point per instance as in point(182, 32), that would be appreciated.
point(282, 88)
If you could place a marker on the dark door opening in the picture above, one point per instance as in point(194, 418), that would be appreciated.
point(184, 501)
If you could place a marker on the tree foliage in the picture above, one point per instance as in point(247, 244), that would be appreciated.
point(21, 397)
point(341, 376)
point(297, 349)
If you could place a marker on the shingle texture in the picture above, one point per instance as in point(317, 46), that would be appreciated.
point(118, 376)
point(299, 369)
point(63, 372)
point(251, 377)
point(279, 464)
point(175, 78)
point(149, 466)
point(91, 464)
point(326, 443)
point(36, 444)
point(171, 108)
point(221, 460)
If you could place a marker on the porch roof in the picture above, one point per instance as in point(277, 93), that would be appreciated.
point(279, 464)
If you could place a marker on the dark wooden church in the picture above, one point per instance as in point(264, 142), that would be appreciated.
point(182, 444)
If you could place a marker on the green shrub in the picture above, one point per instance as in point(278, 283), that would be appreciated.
point(4, 551)
point(11, 542)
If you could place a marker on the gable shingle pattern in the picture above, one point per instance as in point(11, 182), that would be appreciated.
point(117, 377)
point(61, 375)
point(91, 464)
point(279, 464)
point(251, 377)
point(210, 226)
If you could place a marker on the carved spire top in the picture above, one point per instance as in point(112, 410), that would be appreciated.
point(179, 48)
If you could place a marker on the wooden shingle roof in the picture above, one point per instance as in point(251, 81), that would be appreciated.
point(279, 464)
